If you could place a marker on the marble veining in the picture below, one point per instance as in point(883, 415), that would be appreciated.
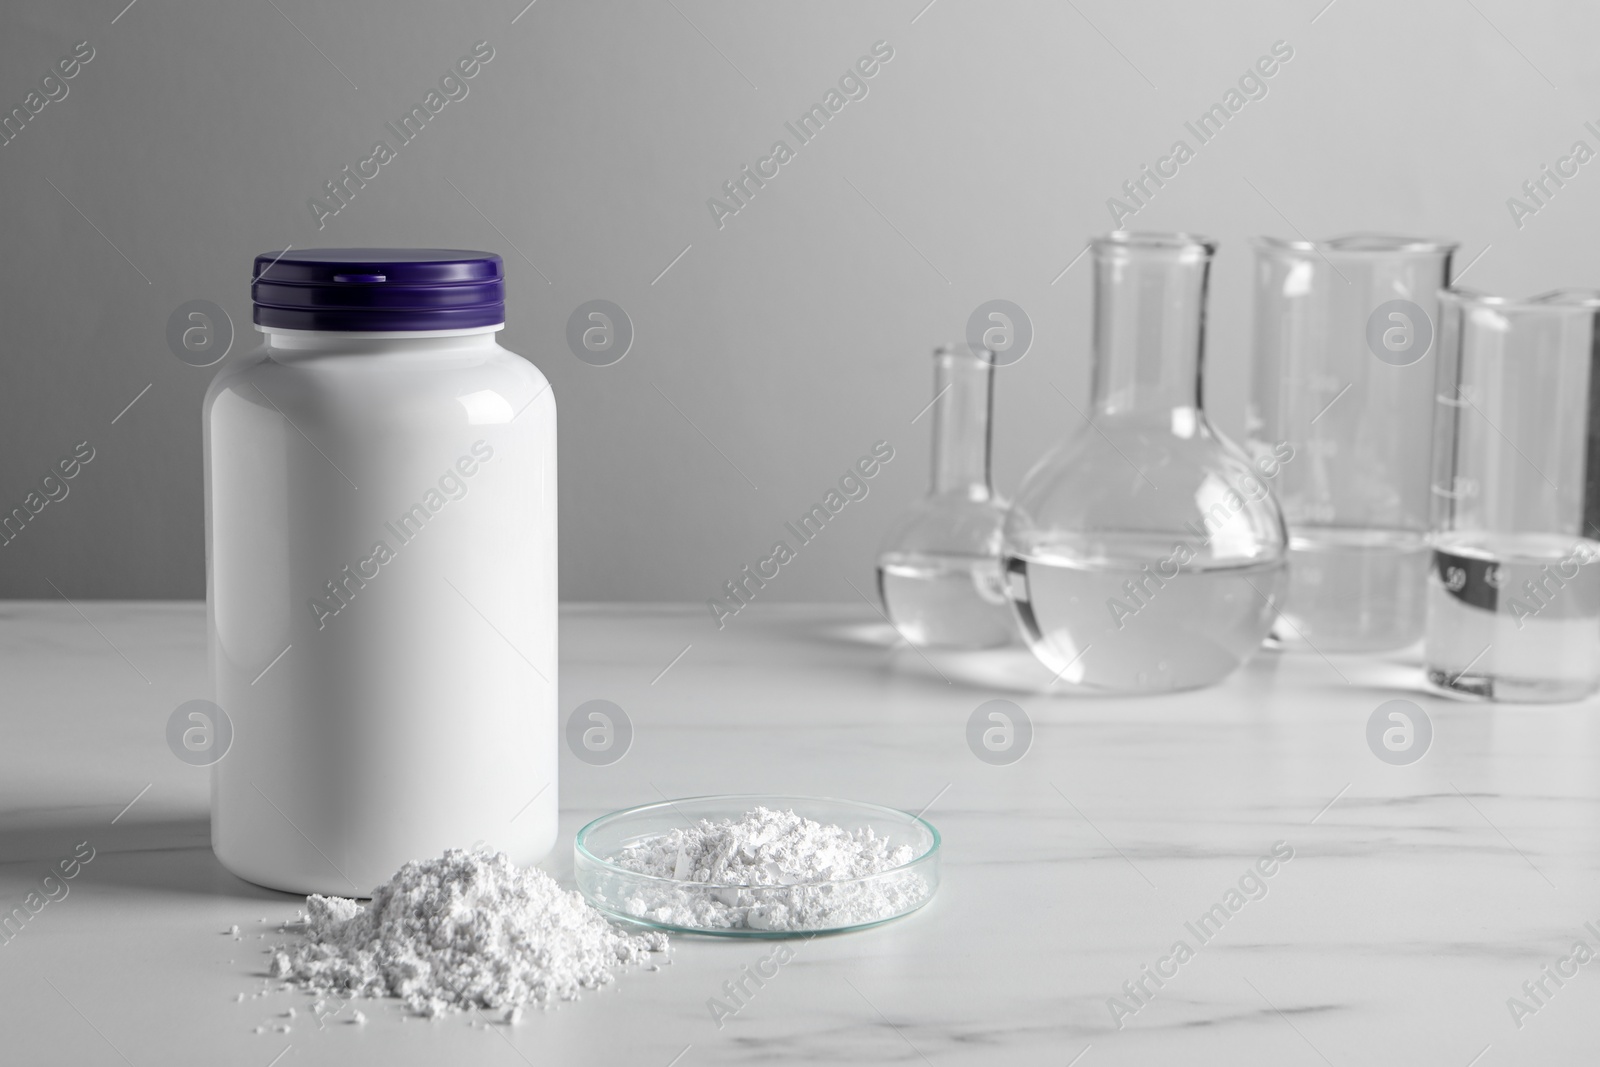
point(1419, 901)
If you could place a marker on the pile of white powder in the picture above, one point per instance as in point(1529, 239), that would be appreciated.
point(801, 875)
point(469, 930)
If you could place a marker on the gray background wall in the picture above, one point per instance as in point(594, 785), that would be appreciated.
point(797, 334)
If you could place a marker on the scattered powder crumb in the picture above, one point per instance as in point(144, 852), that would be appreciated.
point(513, 1015)
point(238, 998)
point(232, 931)
point(282, 1028)
point(468, 930)
point(801, 875)
point(259, 1030)
point(359, 1019)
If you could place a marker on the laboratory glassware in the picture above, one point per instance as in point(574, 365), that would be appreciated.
point(1343, 385)
point(939, 567)
point(1145, 552)
point(1514, 588)
point(381, 573)
point(721, 907)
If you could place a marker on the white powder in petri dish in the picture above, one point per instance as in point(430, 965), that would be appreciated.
point(802, 875)
point(468, 930)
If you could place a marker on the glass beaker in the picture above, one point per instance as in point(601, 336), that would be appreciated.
point(939, 568)
point(1341, 384)
point(1145, 552)
point(1514, 590)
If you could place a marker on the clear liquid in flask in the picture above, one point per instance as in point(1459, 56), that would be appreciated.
point(1142, 623)
point(942, 600)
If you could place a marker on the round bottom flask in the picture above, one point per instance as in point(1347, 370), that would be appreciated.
point(1146, 553)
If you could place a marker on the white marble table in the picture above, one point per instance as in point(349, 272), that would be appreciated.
point(1415, 905)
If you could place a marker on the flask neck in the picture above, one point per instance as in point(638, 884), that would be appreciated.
point(1149, 323)
point(963, 397)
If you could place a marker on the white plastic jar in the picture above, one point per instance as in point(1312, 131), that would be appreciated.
point(380, 574)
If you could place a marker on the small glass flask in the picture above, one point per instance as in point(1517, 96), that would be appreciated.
point(939, 568)
point(1145, 553)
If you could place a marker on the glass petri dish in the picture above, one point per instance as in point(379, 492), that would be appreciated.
point(754, 911)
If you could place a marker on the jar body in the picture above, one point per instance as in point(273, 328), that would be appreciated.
point(381, 605)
